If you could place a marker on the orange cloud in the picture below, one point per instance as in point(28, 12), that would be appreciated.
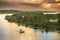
point(57, 0)
point(46, 5)
point(57, 5)
point(29, 4)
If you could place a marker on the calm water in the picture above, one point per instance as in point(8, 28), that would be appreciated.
point(10, 31)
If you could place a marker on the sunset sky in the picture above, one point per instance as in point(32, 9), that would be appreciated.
point(30, 4)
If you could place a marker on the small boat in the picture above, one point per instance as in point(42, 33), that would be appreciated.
point(35, 27)
point(21, 31)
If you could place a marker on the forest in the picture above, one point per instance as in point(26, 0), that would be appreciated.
point(49, 22)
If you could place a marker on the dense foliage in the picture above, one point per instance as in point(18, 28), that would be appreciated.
point(36, 20)
point(22, 11)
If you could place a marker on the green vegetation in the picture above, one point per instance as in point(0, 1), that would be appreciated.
point(22, 11)
point(36, 20)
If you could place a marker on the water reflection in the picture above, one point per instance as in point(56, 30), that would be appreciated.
point(10, 31)
point(29, 34)
point(48, 35)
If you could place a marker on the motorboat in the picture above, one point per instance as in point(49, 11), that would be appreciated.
point(21, 31)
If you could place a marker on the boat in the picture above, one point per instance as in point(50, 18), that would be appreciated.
point(21, 31)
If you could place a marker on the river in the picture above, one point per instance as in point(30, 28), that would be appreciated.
point(10, 31)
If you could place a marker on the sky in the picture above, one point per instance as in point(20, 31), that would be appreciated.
point(30, 4)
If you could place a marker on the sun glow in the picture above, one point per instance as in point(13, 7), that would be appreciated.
point(46, 5)
point(33, 1)
point(57, 0)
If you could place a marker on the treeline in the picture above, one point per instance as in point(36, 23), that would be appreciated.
point(22, 11)
point(36, 20)
point(9, 11)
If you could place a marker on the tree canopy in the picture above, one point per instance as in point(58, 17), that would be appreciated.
point(36, 20)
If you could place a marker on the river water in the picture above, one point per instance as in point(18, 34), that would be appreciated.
point(10, 31)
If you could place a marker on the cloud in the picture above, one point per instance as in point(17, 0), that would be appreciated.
point(11, 4)
point(52, 1)
point(49, 1)
point(45, 5)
